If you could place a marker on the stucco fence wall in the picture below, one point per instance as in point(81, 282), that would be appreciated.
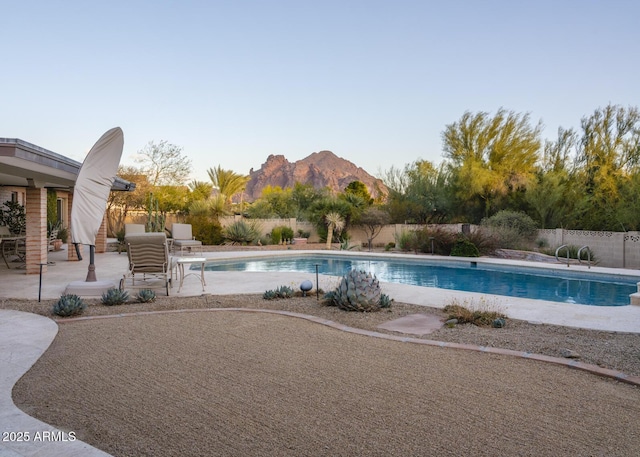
point(611, 249)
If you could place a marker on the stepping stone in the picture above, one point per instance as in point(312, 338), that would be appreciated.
point(415, 324)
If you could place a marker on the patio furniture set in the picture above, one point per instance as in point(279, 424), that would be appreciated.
point(155, 260)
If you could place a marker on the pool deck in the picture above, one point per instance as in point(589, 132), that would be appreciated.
point(111, 265)
point(25, 336)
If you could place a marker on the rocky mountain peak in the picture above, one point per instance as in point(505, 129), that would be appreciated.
point(320, 169)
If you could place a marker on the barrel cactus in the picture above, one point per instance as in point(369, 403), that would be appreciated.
point(69, 305)
point(357, 291)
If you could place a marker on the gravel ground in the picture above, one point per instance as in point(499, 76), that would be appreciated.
point(618, 351)
point(253, 384)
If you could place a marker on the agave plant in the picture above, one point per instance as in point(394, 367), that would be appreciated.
point(146, 296)
point(358, 291)
point(69, 305)
point(115, 296)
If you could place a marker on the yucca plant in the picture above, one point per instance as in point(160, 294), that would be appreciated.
point(146, 296)
point(69, 305)
point(114, 297)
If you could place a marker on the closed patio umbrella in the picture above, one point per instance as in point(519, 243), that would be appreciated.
point(96, 177)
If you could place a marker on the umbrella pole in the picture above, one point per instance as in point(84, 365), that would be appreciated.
point(91, 273)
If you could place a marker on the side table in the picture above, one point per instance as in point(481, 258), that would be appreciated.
point(182, 261)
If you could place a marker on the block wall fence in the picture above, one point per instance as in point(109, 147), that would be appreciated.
point(611, 249)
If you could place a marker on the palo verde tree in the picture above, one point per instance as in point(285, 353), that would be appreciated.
point(491, 157)
point(608, 155)
point(420, 193)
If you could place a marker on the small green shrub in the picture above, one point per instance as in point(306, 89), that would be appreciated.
point(464, 248)
point(114, 297)
point(389, 246)
point(281, 234)
point(303, 233)
point(69, 305)
point(146, 296)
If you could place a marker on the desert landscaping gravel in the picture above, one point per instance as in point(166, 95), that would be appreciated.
point(232, 383)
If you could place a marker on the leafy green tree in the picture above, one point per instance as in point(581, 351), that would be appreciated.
point(372, 221)
point(358, 188)
point(120, 204)
point(420, 193)
point(164, 164)
point(304, 197)
point(609, 151)
point(490, 157)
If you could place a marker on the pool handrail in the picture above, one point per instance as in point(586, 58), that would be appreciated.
point(588, 255)
point(558, 250)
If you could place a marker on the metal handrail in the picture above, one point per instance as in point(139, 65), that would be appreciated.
point(558, 250)
point(588, 255)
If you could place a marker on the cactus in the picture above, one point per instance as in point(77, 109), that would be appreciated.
point(155, 219)
point(146, 296)
point(69, 305)
point(115, 296)
point(385, 301)
point(358, 291)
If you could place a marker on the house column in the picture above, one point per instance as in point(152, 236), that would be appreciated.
point(37, 241)
point(101, 237)
point(71, 249)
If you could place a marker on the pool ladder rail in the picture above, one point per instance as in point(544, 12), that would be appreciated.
point(588, 250)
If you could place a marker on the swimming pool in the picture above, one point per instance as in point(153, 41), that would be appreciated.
point(534, 283)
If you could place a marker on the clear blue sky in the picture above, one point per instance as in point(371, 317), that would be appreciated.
point(376, 82)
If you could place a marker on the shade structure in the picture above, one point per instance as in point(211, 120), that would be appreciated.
point(94, 182)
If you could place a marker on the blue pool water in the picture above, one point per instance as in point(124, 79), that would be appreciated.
point(552, 285)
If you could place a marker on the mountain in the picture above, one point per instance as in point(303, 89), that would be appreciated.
point(320, 169)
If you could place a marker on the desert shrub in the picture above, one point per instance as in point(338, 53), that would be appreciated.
point(241, 232)
point(303, 233)
point(69, 305)
point(513, 229)
point(280, 234)
point(114, 297)
point(482, 314)
point(464, 248)
point(205, 229)
point(404, 240)
point(484, 240)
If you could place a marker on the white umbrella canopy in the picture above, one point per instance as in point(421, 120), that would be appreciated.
point(91, 191)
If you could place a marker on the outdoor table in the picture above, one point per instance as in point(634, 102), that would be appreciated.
point(182, 261)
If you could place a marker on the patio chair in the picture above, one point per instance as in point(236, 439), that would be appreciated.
point(12, 246)
point(183, 239)
point(132, 229)
point(149, 262)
